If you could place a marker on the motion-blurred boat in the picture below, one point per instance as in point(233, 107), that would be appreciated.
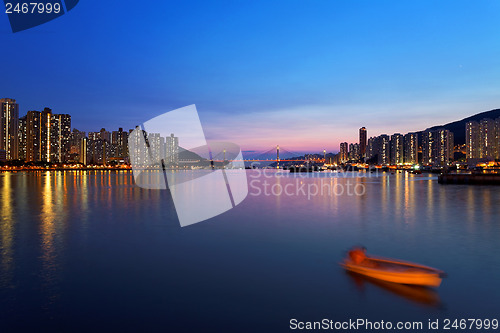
point(396, 271)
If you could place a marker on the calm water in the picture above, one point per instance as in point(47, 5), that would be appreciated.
point(91, 252)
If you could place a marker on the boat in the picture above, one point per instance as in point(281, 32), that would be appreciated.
point(395, 271)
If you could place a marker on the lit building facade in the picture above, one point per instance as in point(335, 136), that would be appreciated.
point(29, 136)
point(497, 122)
point(379, 149)
point(411, 148)
point(76, 145)
point(22, 138)
point(156, 147)
point(354, 152)
point(482, 140)
point(83, 155)
point(371, 149)
point(9, 128)
point(362, 142)
point(60, 138)
point(437, 147)
point(136, 142)
point(119, 143)
point(344, 152)
point(172, 150)
point(96, 150)
point(397, 149)
point(488, 139)
point(104, 135)
point(472, 140)
point(44, 136)
point(385, 150)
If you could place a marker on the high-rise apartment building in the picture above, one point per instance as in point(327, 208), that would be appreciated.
point(411, 148)
point(83, 155)
point(427, 147)
point(22, 138)
point(354, 152)
point(397, 149)
point(172, 150)
point(371, 149)
point(482, 139)
point(488, 139)
point(362, 142)
point(76, 140)
point(379, 149)
point(97, 151)
point(497, 122)
point(60, 138)
point(437, 147)
point(105, 135)
point(9, 127)
point(98, 147)
point(138, 156)
point(385, 150)
point(94, 136)
point(344, 152)
point(119, 143)
point(45, 124)
point(45, 136)
point(76, 145)
point(157, 149)
point(473, 140)
point(30, 136)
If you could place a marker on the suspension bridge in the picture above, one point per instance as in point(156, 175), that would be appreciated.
point(275, 154)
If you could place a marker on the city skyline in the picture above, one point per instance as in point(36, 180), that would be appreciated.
point(363, 131)
point(400, 67)
point(46, 136)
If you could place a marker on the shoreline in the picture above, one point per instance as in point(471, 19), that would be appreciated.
point(62, 169)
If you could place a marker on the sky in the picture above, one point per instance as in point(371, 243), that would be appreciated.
point(302, 74)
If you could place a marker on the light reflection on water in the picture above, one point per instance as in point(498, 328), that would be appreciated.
point(91, 242)
point(6, 231)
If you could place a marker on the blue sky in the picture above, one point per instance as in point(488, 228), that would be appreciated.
point(302, 74)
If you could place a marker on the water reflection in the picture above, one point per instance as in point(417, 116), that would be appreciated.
point(384, 194)
point(415, 294)
point(6, 229)
point(83, 200)
point(69, 239)
point(52, 220)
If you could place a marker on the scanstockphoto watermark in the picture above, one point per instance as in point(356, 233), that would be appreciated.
point(265, 183)
point(170, 152)
point(299, 188)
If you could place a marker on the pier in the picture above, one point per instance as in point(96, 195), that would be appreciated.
point(469, 179)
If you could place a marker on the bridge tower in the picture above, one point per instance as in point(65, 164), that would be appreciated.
point(278, 156)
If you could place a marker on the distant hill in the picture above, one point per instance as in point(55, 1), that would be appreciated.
point(458, 127)
point(187, 155)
